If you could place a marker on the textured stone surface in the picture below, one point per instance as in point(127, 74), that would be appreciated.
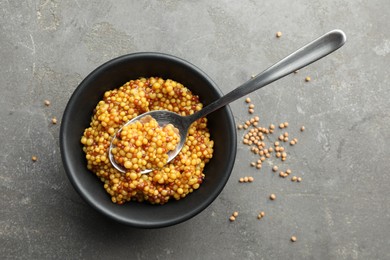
point(340, 210)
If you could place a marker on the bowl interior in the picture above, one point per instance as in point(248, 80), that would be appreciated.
point(78, 114)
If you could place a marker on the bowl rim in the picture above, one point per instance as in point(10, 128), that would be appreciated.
point(66, 161)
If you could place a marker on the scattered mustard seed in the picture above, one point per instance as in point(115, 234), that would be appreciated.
point(232, 218)
point(47, 103)
point(299, 179)
point(307, 79)
point(247, 100)
point(302, 128)
point(275, 168)
point(235, 213)
point(293, 238)
point(54, 120)
point(294, 178)
point(279, 34)
point(272, 196)
point(34, 158)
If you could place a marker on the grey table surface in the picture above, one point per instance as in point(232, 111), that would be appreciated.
point(340, 210)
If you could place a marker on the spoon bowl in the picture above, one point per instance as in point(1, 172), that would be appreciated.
point(163, 117)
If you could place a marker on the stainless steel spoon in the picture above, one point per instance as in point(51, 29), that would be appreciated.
point(309, 53)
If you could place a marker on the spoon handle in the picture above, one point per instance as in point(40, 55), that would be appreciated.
point(309, 53)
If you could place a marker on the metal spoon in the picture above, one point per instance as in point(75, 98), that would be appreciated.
point(306, 55)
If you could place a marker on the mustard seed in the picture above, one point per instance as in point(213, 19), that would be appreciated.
point(251, 106)
point(253, 164)
point(240, 126)
point(275, 168)
point(259, 216)
point(281, 137)
point(285, 139)
point(251, 111)
point(235, 214)
point(250, 179)
point(232, 218)
point(302, 128)
point(276, 143)
point(246, 179)
point(288, 171)
point(47, 103)
point(278, 154)
point(285, 124)
point(272, 197)
point(294, 178)
point(54, 120)
point(299, 179)
point(292, 142)
point(281, 126)
point(270, 149)
point(307, 79)
point(279, 34)
point(258, 166)
point(241, 180)
point(272, 126)
point(284, 154)
point(285, 134)
point(257, 119)
point(247, 100)
point(262, 214)
point(293, 238)
point(34, 158)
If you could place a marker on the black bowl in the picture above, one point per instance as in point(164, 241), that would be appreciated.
point(112, 75)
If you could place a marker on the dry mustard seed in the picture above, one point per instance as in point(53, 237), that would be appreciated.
point(302, 128)
point(251, 111)
point(270, 149)
point(293, 238)
point(279, 34)
point(281, 126)
point(275, 168)
point(267, 155)
point(271, 126)
point(307, 79)
point(272, 196)
point(295, 140)
point(232, 218)
point(281, 148)
point(257, 119)
point(235, 214)
point(251, 106)
point(262, 158)
point(240, 126)
point(47, 103)
point(283, 159)
point(278, 154)
point(259, 216)
point(247, 100)
point(282, 174)
point(294, 178)
point(285, 139)
point(54, 120)
point(285, 124)
point(246, 179)
point(262, 213)
point(241, 180)
point(299, 179)
point(285, 134)
point(34, 158)
point(250, 179)
point(276, 143)
point(245, 126)
point(253, 164)
point(288, 171)
point(284, 154)
point(292, 142)
point(281, 137)
point(258, 166)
